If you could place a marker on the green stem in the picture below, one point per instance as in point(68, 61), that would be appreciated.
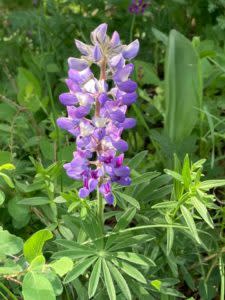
point(100, 208)
point(10, 294)
point(132, 27)
point(222, 275)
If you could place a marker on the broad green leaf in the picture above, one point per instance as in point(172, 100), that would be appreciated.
point(34, 245)
point(79, 269)
point(94, 278)
point(190, 222)
point(9, 243)
point(160, 36)
point(135, 258)
point(37, 263)
point(108, 281)
point(121, 282)
point(202, 210)
point(29, 90)
point(129, 270)
point(62, 266)
point(37, 287)
point(10, 270)
point(35, 201)
point(129, 199)
point(20, 213)
point(183, 87)
point(2, 197)
point(210, 184)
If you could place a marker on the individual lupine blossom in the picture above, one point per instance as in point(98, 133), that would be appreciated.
point(138, 7)
point(97, 113)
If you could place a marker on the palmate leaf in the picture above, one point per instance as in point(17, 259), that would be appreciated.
point(130, 241)
point(94, 278)
point(79, 269)
point(108, 281)
point(73, 254)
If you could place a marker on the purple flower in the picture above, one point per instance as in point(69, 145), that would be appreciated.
point(138, 7)
point(97, 114)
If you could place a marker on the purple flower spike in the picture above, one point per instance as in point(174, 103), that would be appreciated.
point(97, 114)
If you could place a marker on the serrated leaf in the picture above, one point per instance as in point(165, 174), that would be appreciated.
point(94, 278)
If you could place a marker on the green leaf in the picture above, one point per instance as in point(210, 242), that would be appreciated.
point(7, 180)
point(9, 243)
point(62, 266)
point(135, 258)
point(202, 210)
point(37, 263)
point(183, 87)
point(129, 199)
point(20, 213)
point(73, 254)
point(79, 269)
point(165, 204)
point(137, 159)
point(186, 172)
point(160, 36)
point(34, 245)
point(37, 287)
point(129, 270)
point(35, 201)
point(169, 239)
point(94, 278)
point(125, 219)
point(29, 90)
point(190, 222)
point(210, 184)
point(146, 177)
point(121, 282)
point(174, 174)
point(108, 281)
point(10, 270)
point(2, 197)
point(7, 167)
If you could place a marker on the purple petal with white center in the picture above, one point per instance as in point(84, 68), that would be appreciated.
point(67, 99)
point(120, 145)
point(85, 99)
point(128, 86)
point(117, 61)
point(131, 50)
point(77, 64)
point(102, 98)
point(80, 76)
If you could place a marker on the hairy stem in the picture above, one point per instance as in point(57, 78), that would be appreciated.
point(100, 208)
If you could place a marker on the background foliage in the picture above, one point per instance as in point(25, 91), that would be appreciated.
point(164, 239)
